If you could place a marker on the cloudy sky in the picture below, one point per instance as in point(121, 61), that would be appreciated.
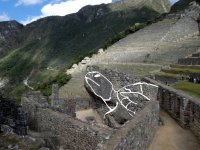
point(26, 11)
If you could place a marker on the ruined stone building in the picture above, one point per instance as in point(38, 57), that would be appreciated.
point(70, 132)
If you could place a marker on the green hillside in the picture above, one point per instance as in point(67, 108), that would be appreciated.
point(58, 42)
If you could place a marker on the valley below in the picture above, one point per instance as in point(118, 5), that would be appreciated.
point(66, 79)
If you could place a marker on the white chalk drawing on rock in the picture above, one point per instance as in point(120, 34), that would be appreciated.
point(98, 83)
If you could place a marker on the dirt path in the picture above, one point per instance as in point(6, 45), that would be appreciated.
point(172, 137)
point(83, 114)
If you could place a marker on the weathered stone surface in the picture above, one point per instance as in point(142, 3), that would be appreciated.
point(60, 131)
point(137, 133)
point(12, 118)
point(180, 106)
point(189, 61)
point(64, 130)
point(110, 86)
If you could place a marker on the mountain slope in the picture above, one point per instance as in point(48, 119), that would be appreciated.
point(9, 30)
point(58, 42)
point(181, 5)
point(143, 52)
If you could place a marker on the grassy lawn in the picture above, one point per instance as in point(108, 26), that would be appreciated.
point(182, 70)
point(170, 75)
point(188, 87)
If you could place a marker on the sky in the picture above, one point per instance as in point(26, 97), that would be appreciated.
point(26, 11)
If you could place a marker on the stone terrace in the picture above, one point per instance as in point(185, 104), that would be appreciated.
point(152, 45)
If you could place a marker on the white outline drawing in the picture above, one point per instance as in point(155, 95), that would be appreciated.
point(120, 92)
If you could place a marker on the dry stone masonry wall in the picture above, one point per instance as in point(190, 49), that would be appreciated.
point(138, 133)
point(183, 108)
point(68, 132)
point(74, 134)
point(193, 60)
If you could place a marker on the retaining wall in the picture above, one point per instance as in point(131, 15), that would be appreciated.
point(180, 106)
point(189, 61)
point(70, 133)
point(138, 132)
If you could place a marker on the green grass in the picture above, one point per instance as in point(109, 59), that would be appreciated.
point(188, 87)
point(60, 79)
point(42, 75)
point(178, 72)
point(185, 70)
point(170, 75)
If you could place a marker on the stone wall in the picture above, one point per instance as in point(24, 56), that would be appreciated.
point(74, 134)
point(12, 118)
point(109, 89)
point(189, 61)
point(60, 130)
point(71, 133)
point(165, 79)
point(180, 106)
point(83, 103)
point(64, 131)
point(137, 133)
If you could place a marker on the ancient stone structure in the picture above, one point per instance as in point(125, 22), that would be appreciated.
point(75, 134)
point(136, 134)
point(182, 30)
point(12, 118)
point(67, 132)
point(192, 60)
point(118, 81)
point(55, 97)
point(183, 108)
point(63, 105)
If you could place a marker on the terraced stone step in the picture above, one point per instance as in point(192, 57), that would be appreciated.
point(184, 27)
point(75, 87)
point(185, 66)
point(146, 46)
point(145, 37)
point(189, 61)
point(183, 72)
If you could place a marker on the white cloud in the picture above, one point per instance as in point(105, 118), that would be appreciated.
point(4, 17)
point(62, 8)
point(70, 6)
point(28, 2)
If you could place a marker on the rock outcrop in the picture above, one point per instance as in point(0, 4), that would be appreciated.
point(9, 31)
point(106, 87)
